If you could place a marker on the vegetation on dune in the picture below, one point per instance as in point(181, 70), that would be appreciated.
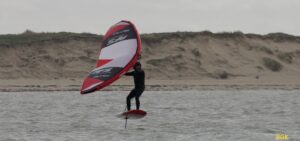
point(220, 74)
point(196, 53)
point(286, 57)
point(282, 37)
point(259, 68)
point(159, 37)
point(236, 34)
point(277, 37)
point(260, 48)
point(29, 37)
point(264, 49)
point(166, 60)
point(272, 64)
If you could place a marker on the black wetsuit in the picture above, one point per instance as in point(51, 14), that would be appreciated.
point(139, 82)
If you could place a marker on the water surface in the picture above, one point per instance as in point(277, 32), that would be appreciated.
point(172, 116)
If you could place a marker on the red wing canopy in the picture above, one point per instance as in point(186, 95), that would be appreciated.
point(120, 49)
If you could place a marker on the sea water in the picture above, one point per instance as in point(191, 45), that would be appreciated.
point(228, 115)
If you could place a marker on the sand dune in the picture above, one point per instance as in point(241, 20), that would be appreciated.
point(190, 58)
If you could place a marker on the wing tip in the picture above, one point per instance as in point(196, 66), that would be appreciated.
point(83, 92)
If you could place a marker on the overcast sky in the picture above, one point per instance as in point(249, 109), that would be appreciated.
point(96, 16)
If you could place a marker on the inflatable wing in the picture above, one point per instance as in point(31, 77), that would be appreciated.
point(121, 47)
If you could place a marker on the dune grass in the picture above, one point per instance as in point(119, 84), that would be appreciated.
point(29, 37)
point(286, 57)
point(272, 64)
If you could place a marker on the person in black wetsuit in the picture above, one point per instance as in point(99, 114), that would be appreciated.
point(139, 82)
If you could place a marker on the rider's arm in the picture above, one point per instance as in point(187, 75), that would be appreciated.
point(129, 73)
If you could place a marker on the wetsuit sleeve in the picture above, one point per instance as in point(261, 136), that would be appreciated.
point(129, 73)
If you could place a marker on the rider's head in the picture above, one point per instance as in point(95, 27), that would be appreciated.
point(137, 66)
